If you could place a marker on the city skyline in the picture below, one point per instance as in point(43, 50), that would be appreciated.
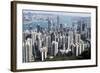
point(41, 17)
point(54, 36)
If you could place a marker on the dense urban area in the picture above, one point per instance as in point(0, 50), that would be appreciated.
point(55, 41)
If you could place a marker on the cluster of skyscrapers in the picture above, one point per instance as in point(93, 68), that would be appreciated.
point(56, 40)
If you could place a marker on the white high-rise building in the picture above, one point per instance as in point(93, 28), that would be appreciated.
point(77, 38)
point(33, 37)
point(28, 51)
point(68, 42)
point(77, 49)
point(60, 41)
point(55, 48)
point(82, 46)
point(24, 52)
point(43, 51)
point(47, 41)
point(79, 44)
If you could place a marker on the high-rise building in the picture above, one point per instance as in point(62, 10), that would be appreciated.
point(38, 28)
point(49, 25)
point(43, 51)
point(27, 50)
point(54, 48)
